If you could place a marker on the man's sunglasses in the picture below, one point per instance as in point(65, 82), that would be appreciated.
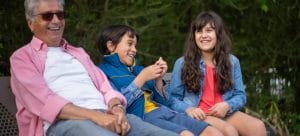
point(48, 16)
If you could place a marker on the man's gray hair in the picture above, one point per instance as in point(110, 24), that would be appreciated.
point(31, 5)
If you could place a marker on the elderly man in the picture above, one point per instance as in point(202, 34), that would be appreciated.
point(58, 89)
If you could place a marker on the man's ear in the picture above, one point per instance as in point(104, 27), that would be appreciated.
point(111, 48)
point(30, 25)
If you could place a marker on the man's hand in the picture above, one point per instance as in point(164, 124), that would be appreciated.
point(218, 110)
point(116, 108)
point(108, 121)
point(196, 113)
point(120, 112)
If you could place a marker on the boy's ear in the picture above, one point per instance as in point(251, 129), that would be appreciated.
point(110, 46)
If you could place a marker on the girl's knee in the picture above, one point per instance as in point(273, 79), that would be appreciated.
point(261, 128)
point(257, 127)
point(186, 133)
point(261, 124)
point(211, 131)
point(229, 130)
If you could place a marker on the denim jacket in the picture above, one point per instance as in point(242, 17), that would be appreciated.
point(236, 97)
point(121, 77)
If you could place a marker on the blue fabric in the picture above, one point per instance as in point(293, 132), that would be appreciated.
point(89, 128)
point(122, 78)
point(174, 121)
point(236, 97)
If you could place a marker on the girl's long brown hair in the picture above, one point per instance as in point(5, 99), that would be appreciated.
point(191, 73)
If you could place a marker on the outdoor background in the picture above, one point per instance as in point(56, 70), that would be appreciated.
point(265, 36)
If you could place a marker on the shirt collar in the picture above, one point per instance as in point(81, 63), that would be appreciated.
point(112, 59)
point(38, 44)
point(201, 61)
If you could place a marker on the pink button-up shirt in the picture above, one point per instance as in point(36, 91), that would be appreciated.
point(34, 99)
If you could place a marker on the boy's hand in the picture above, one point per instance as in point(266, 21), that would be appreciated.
point(152, 72)
point(163, 65)
point(159, 80)
point(148, 73)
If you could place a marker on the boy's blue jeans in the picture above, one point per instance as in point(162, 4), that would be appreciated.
point(177, 122)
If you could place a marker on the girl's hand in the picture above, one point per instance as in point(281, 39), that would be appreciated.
point(195, 113)
point(218, 110)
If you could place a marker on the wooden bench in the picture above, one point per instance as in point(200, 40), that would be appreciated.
point(8, 123)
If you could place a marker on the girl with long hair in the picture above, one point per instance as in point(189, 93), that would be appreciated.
point(207, 81)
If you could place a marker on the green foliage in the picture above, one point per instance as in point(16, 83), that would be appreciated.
point(14, 31)
point(274, 117)
point(265, 36)
point(293, 119)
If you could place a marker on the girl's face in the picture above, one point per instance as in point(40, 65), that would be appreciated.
point(206, 38)
point(126, 49)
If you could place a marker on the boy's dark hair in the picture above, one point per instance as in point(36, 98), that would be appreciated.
point(113, 33)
